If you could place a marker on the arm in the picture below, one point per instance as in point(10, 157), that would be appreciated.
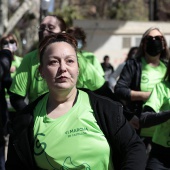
point(128, 151)
point(150, 118)
point(6, 58)
point(131, 148)
point(139, 95)
point(123, 85)
point(20, 84)
point(5, 64)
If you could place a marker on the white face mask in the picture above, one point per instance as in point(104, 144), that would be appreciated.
point(12, 47)
point(79, 44)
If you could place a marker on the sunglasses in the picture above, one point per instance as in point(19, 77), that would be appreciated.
point(5, 42)
point(158, 37)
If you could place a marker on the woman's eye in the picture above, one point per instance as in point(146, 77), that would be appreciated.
point(70, 61)
point(53, 62)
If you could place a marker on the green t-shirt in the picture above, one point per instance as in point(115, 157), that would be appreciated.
point(29, 82)
point(149, 78)
point(71, 141)
point(89, 77)
point(160, 101)
point(93, 60)
point(16, 63)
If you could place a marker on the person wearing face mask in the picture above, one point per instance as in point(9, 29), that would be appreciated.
point(91, 72)
point(80, 36)
point(10, 41)
point(140, 75)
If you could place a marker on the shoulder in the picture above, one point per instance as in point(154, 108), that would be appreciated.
point(31, 55)
point(102, 101)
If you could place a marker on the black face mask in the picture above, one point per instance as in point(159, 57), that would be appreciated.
point(154, 45)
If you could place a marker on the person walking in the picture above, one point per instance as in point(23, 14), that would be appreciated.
point(107, 67)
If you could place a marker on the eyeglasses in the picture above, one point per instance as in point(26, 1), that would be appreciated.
point(5, 42)
point(50, 28)
point(158, 37)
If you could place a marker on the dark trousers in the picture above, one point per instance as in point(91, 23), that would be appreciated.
point(2, 156)
point(159, 158)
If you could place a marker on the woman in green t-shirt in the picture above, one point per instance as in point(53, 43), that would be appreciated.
point(156, 111)
point(69, 128)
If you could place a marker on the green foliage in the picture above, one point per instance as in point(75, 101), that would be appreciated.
point(130, 10)
point(69, 13)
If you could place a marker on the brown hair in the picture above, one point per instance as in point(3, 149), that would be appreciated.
point(165, 55)
point(52, 38)
point(78, 33)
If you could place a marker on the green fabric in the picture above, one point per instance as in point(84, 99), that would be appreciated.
point(16, 63)
point(149, 78)
point(89, 77)
point(27, 80)
point(71, 141)
point(160, 101)
point(93, 60)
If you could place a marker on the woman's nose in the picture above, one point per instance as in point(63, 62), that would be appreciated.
point(62, 66)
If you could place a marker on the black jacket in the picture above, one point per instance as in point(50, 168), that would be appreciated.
point(5, 82)
point(130, 79)
point(128, 149)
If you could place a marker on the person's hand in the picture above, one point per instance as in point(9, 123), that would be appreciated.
point(146, 95)
point(134, 122)
point(12, 69)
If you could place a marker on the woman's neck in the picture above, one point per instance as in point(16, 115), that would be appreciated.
point(61, 102)
point(153, 61)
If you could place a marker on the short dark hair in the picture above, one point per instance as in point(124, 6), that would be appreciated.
point(62, 23)
point(105, 57)
point(52, 38)
point(78, 33)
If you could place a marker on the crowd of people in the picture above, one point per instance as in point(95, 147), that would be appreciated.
point(91, 115)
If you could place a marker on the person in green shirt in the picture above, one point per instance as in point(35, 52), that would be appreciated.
point(140, 75)
point(80, 36)
point(156, 111)
point(28, 82)
point(70, 128)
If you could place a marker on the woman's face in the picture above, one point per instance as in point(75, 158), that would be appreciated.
point(59, 66)
point(9, 43)
point(154, 43)
point(49, 25)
